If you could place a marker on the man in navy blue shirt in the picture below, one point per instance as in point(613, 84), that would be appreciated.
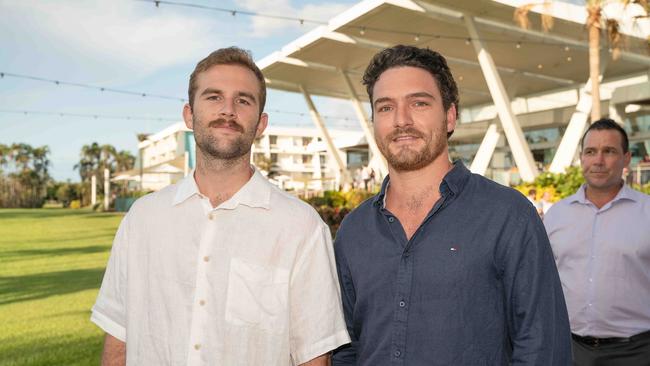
point(442, 267)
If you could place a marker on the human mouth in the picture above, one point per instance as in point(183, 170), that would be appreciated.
point(229, 125)
point(404, 138)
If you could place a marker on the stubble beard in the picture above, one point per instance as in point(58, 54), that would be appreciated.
point(409, 158)
point(223, 150)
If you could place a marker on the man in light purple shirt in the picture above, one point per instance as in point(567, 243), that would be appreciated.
point(601, 241)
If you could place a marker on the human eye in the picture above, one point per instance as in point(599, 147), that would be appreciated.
point(214, 97)
point(420, 103)
point(243, 101)
point(384, 108)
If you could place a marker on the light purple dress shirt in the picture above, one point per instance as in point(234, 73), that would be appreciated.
point(603, 257)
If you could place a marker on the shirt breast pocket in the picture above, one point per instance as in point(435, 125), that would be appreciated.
point(257, 296)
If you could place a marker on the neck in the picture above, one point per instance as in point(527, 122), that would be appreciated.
point(600, 197)
point(420, 185)
point(220, 179)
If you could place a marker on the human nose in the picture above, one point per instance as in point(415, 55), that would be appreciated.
point(403, 116)
point(600, 158)
point(227, 108)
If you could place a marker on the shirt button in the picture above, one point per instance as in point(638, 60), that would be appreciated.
point(397, 353)
point(591, 280)
point(402, 304)
point(206, 259)
point(202, 302)
point(391, 219)
point(210, 216)
point(197, 346)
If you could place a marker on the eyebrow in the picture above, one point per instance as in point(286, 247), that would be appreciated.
point(239, 94)
point(409, 96)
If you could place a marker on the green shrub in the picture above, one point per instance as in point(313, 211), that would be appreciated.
point(558, 185)
point(332, 206)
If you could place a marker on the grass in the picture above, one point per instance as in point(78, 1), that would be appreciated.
point(51, 266)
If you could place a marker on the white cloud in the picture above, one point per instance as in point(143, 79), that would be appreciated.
point(263, 27)
point(130, 33)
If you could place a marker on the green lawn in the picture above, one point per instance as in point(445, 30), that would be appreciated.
point(51, 266)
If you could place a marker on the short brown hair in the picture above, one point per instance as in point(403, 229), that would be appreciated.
point(228, 56)
point(423, 58)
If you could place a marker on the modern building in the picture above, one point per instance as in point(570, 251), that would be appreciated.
point(524, 92)
point(294, 158)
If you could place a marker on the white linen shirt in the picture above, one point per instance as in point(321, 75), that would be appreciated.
point(603, 257)
point(251, 282)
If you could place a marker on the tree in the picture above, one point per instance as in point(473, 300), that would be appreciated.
point(94, 158)
point(26, 183)
point(595, 22)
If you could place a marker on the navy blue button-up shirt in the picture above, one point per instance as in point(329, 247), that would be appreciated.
point(475, 285)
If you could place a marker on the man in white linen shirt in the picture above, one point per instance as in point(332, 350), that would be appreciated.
point(601, 241)
point(221, 268)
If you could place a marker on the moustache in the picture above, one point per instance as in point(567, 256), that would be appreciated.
point(230, 123)
point(404, 131)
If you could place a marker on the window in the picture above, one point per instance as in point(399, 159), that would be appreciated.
point(273, 140)
point(306, 159)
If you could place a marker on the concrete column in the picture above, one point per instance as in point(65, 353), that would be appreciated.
point(518, 145)
point(331, 149)
point(365, 125)
point(93, 190)
point(107, 191)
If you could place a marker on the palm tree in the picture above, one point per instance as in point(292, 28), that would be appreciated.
point(594, 24)
point(4, 156)
point(124, 160)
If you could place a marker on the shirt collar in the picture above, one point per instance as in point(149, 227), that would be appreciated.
point(255, 193)
point(453, 182)
point(625, 193)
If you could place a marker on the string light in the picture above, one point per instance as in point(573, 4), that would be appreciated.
point(416, 38)
point(89, 86)
point(160, 119)
point(233, 12)
point(87, 115)
point(518, 45)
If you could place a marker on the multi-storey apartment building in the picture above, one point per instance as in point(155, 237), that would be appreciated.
point(294, 158)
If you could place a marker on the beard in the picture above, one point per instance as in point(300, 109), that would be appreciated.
point(410, 158)
point(222, 148)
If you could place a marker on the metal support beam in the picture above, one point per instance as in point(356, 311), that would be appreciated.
point(486, 150)
point(331, 149)
point(568, 147)
point(365, 125)
point(518, 145)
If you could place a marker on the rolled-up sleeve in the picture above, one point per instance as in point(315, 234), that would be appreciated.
point(316, 320)
point(536, 311)
point(109, 311)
